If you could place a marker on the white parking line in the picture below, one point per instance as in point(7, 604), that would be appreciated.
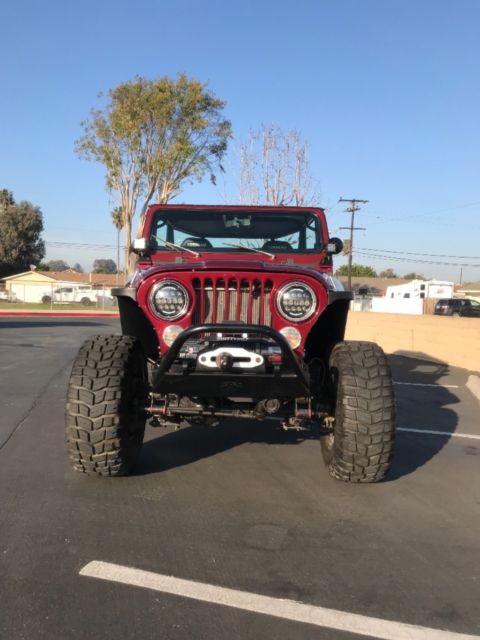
point(424, 384)
point(286, 609)
point(446, 434)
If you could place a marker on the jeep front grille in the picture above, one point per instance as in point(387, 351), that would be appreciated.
point(237, 298)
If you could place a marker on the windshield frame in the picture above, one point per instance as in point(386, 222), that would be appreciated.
point(305, 237)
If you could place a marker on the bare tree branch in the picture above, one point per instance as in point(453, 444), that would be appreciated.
point(274, 169)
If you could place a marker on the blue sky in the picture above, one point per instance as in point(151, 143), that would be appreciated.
point(386, 92)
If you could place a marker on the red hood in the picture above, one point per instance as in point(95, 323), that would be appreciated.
point(227, 265)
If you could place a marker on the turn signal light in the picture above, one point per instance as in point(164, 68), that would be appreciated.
point(276, 358)
point(171, 333)
point(293, 336)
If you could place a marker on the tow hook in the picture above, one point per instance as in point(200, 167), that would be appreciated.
point(224, 361)
point(328, 424)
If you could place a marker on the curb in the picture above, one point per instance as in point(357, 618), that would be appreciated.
point(473, 384)
point(58, 314)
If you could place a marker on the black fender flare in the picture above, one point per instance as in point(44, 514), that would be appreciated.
point(134, 322)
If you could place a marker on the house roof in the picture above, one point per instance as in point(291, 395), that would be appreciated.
point(107, 279)
point(469, 286)
point(15, 276)
point(378, 283)
point(69, 275)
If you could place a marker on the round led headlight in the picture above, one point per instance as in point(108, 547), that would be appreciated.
point(296, 301)
point(293, 336)
point(169, 300)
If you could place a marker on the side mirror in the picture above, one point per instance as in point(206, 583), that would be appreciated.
point(140, 246)
point(335, 246)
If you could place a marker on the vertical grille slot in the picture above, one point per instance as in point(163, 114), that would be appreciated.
point(235, 298)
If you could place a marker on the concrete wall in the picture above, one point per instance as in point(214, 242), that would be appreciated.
point(408, 306)
point(455, 341)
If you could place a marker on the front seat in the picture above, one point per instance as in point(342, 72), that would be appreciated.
point(196, 243)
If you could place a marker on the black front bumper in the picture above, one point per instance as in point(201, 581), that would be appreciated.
point(288, 380)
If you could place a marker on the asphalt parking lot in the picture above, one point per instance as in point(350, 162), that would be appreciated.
point(238, 509)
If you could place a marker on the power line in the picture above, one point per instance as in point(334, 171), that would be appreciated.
point(353, 209)
point(417, 253)
point(399, 259)
point(426, 214)
point(384, 254)
point(80, 245)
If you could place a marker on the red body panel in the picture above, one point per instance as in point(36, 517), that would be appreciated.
point(228, 265)
point(184, 274)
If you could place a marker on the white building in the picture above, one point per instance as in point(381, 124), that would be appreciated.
point(420, 289)
point(39, 286)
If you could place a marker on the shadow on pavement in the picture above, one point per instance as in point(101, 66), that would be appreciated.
point(417, 408)
point(420, 407)
point(187, 445)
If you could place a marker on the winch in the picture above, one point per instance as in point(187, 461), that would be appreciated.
point(230, 353)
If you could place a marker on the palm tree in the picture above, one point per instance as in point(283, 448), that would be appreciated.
point(117, 219)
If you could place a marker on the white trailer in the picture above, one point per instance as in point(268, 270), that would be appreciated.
point(421, 289)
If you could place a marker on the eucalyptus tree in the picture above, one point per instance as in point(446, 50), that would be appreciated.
point(152, 136)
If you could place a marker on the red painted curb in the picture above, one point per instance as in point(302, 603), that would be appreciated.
point(58, 314)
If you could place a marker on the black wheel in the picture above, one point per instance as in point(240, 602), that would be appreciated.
point(359, 447)
point(86, 302)
point(46, 299)
point(105, 413)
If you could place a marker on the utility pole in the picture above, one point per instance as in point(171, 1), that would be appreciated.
point(353, 209)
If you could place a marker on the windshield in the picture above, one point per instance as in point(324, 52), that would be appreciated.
point(217, 231)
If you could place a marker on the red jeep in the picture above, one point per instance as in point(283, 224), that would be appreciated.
point(233, 312)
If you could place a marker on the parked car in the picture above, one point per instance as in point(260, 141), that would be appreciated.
point(458, 307)
point(75, 294)
point(8, 296)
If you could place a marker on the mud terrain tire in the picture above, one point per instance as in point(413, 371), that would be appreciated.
point(107, 395)
point(360, 447)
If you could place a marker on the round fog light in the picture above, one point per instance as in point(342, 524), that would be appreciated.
point(293, 336)
point(171, 333)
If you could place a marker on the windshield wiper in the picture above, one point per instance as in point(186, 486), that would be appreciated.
point(272, 256)
point(177, 247)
